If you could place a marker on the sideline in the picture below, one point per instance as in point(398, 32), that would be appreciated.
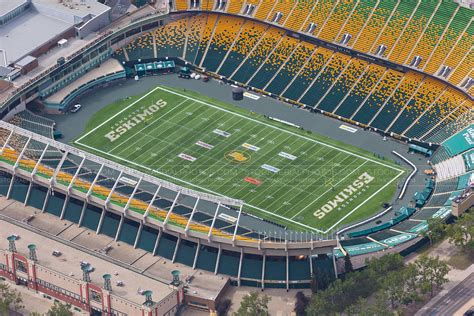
point(408, 179)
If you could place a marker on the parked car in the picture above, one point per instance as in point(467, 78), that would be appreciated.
point(76, 107)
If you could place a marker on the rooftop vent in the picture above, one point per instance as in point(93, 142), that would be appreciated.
point(249, 8)
point(345, 39)
point(311, 28)
point(380, 50)
point(415, 61)
point(277, 17)
point(220, 5)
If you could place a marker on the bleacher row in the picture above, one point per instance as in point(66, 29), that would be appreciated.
point(35, 123)
point(437, 35)
point(266, 58)
point(254, 267)
point(400, 230)
point(274, 270)
point(450, 168)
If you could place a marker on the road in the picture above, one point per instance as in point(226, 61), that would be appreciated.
point(453, 300)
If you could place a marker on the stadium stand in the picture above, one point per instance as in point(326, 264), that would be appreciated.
point(284, 8)
point(299, 15)
point(263, 9)
point(431, 35)
point(319, 15)
point(35, 123)
point(360, 91)
point(328, 75)
point(235, 6)
point(249, 36)
point(442, 107)
point(170, 39)
point(433, 31)
point(141, 48)
point(354, 70)
point(306, 75)
point(206, 36)
point(404, 93)
point(355, 22)
point(196, 25)
point(273, 62)
point(181, 5)
point(226, 30)
point(264, 57)
point(374, 26)
point(257, 56)
point(290, 69)
point(336, 19)
point(412, 31)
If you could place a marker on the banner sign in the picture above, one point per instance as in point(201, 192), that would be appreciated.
point(221, 133)
point(187, 157)
point(251, 147)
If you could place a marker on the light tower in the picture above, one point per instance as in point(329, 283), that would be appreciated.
point(85, 272)
point(32, 252)
point(148, 298)
point(107, 282)
point(11, 243)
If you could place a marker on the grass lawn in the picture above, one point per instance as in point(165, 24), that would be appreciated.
point(282, 173)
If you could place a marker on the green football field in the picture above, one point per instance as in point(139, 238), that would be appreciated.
point(281, 172)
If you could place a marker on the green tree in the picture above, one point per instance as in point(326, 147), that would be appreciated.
point(254, 304)
point(436, 230)
point(301, 303)
point(461, 233)
point(348, 264)
point(378, 306)
point(400, 286)
point(382, 265)
point(431, 272)
point(9, 298)
point(60, 309)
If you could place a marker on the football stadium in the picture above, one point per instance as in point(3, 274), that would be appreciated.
point(242, 142)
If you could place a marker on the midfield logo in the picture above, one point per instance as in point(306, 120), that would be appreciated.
point(237, 156)
point(134, 120)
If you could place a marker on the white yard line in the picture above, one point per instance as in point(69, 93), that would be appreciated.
point(301, 200)
point(115, 115)
point(365, 201)
point(366, 159)
point(316, 199)
point(158, 136)
point(196, 186)
point(254, 161)
point(302, 191)
point(251, 119)
point(126, 139)
point(289, 162)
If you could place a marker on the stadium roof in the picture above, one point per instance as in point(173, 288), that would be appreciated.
point(22, 35)
point(8, 5)
point(72, 9)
